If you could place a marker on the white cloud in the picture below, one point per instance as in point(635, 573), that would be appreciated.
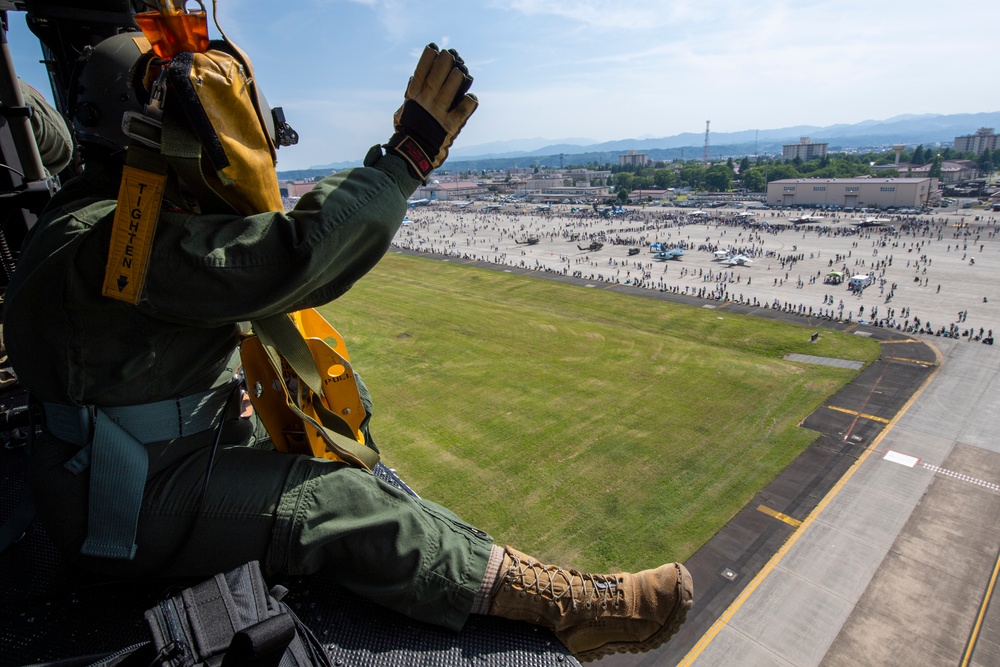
point(607, 70)
point(638, 15)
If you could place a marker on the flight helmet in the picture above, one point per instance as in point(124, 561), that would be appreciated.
point(109, 84)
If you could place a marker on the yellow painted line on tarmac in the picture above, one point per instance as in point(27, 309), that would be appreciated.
point(901, 342)
point(970, 646)
point(779, 516)
point(873, 418)
point(850, 328)
point(745, 594)
point(910, 361)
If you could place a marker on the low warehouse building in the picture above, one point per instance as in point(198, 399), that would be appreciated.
point(851, 192)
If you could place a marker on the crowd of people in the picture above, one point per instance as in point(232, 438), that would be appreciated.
point(918, 267)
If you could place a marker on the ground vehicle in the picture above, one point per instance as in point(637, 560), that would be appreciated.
point(859, 282)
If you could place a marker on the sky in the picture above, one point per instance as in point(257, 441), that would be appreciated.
point(601, 70)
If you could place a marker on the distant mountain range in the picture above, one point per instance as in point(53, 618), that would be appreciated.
point(927, 129)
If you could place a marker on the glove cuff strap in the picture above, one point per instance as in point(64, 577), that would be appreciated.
point(407, 148)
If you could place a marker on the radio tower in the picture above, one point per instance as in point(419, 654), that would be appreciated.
point(705, 158)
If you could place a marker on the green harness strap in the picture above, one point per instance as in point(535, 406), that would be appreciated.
point(113, 444)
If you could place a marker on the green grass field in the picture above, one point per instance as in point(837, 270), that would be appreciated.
point(582, 426)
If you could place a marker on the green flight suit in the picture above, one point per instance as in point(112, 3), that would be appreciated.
point(71, 346)
point(52, 134)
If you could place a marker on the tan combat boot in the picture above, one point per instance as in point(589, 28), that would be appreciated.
point(594, 615)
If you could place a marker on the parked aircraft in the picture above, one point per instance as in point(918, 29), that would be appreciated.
point(531, 240)
point(870, 221)
point(739, 260)
point(670, 253)
point(544, 207)
point(493, 207)
point(808, 220)
point(418, 202)
point(609, 211)
point(722, 254)
point(465, 204)
point(593, 247)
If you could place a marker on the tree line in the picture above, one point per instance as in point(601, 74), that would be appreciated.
point(753, 175)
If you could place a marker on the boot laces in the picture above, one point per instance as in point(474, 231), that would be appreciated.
point(561, 586)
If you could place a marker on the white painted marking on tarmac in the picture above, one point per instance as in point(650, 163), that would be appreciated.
point(964, 478)
point(913, 461)
point(825, 361)
point(902, 459)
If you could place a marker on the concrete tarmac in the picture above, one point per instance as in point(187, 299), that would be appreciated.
point(895, 565)
point(879, 545)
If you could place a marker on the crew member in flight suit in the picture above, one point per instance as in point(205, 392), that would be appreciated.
point(160, 372)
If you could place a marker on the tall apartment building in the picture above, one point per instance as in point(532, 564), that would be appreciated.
point(976, 143)
point(634, 159)
point(804, 150)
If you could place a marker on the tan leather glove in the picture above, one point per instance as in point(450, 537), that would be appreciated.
point(435, 108)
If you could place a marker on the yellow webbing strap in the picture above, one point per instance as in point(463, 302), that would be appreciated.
point(136, 215)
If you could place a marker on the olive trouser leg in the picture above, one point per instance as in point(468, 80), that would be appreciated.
point(294, 514)
point(409, 554)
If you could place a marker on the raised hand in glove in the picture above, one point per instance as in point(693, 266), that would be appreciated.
point(435, 108)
